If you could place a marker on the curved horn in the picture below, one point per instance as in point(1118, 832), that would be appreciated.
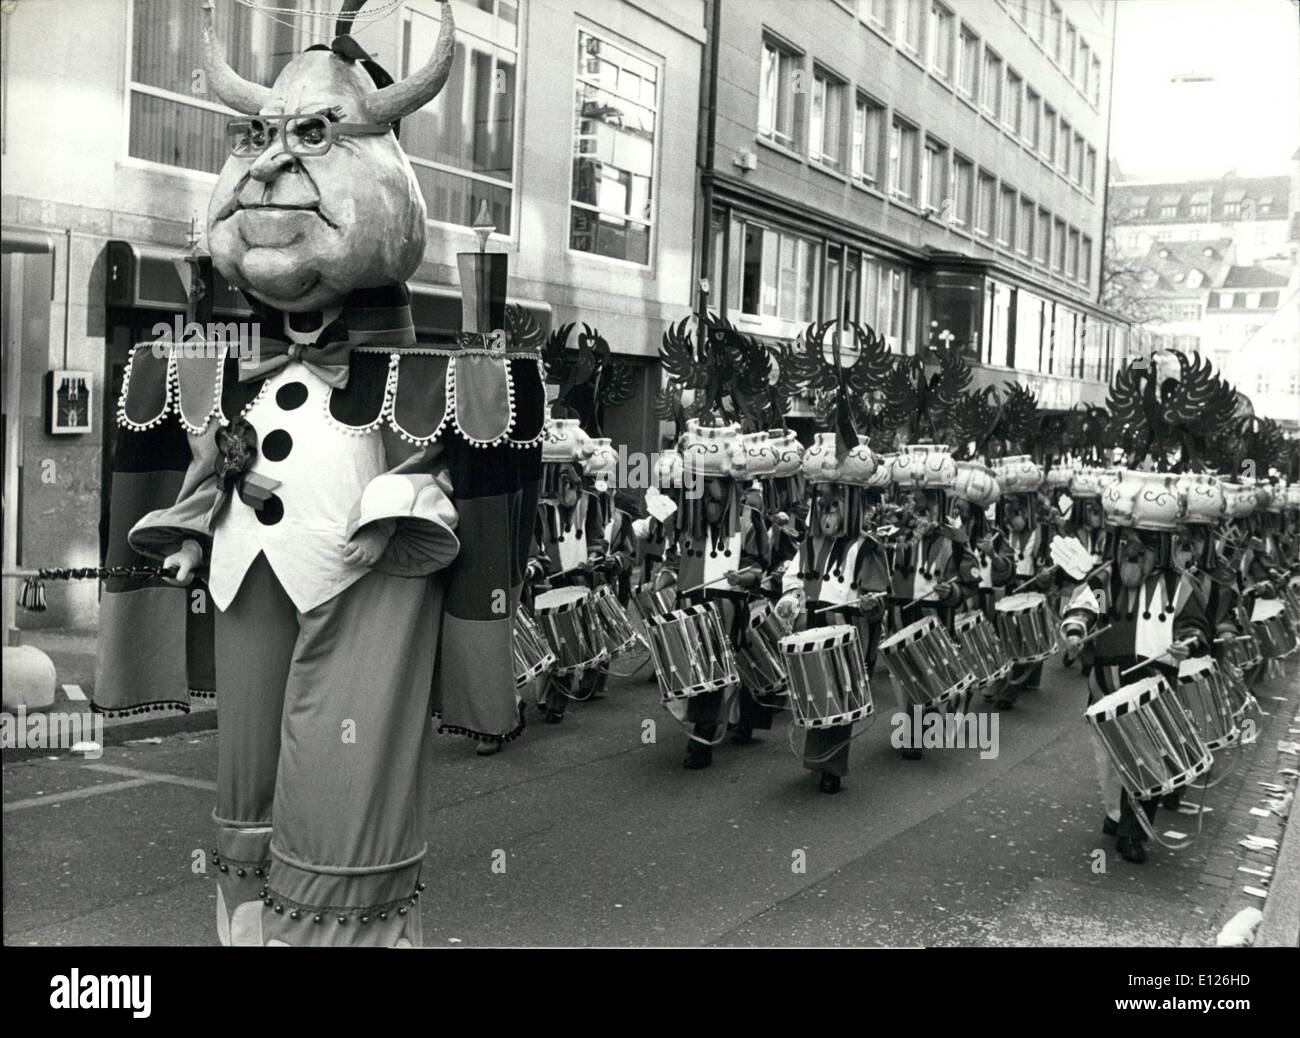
point(419, 88)
point(226, 83)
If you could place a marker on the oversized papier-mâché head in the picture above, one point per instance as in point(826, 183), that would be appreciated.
point(306, 210)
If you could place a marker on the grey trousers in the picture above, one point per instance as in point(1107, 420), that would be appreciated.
point(324, 729)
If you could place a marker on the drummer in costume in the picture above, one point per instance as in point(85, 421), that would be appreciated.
point(568, 546)
point(841, 575)
point(600, 472)
point(1086, 523)
point(974, 493)
point(718, 557)
point(1018, 520)
point(933, 572)
point(1146, 611)
point(1196, 553)
point(779, 481)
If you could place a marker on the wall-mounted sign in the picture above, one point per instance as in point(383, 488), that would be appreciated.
point(71, 402)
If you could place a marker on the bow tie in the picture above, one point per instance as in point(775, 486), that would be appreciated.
point(329, 362)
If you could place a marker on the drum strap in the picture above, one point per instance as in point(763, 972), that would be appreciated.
point(1152, 834)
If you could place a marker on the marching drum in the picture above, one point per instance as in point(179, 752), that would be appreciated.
point(980, 645)
point(828, 680)
point(566, 618)
point(1276, 637)
point(1291, 602)
point(690, 652)
point(615, 627)
point(650, 602)
point(925, 664)
point(532, 655)
point(1027, 626)
point(1149, 738)
point(759, 660)
point(1241, 650)
point(1203, 689)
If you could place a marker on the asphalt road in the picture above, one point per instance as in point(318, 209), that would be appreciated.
point(584, 834)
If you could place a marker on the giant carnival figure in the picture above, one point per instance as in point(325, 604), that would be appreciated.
point(358, 503)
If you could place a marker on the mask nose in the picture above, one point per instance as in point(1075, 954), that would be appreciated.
point(272, 162)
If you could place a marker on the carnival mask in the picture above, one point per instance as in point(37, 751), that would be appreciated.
point(317, 198)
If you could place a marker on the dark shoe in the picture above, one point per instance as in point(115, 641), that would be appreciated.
point(1170, 801)
point(1131, 850)
point(742, 736)
point(829, 783)
point(698, 756)
point(913, 754)
point(487, 747)
point(988, 695)
point(554, 716)
point(1109, 827)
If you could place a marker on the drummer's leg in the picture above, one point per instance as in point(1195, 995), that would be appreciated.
point(1014, 683)
point(704, 711)
point(826, 751)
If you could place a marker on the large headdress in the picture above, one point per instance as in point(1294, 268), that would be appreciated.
point(588, 380)
point(357, 220)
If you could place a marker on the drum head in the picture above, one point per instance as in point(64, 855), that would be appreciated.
point(1126, 699)
point(1197, 665)
point(560, 599)
point(970, 619)
point(1024, 600)
point(818, 638)
point(909, 633)
point(1266, 609)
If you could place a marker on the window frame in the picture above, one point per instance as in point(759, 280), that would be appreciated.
point(786, 52)
point(661, 63)
point(512, 234)
point(837, 84)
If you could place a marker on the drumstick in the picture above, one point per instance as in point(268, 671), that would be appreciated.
point(846, 605)
point(1095, 633)
point(1153, 659)
point(1034, 578)
point(707, 583)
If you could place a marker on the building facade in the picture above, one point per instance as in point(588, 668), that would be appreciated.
point(1220, 263)
point(933, 170)
point(574, 120)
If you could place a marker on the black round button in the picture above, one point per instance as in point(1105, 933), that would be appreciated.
point(1146, 616)
point(271, 512)
point(291, 395)
point(276, 445)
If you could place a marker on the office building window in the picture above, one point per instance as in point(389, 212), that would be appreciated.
point(1007, 216)
point(934, 175)
point(902, 159)
point(880, 13)
point(1085, 260)
point(171, 125)
point(941, 25)
point(1063, 148)
point(985, 204)
point(1076, 160)
point(825, 121)
point(1085, 68)
point(1055, 25)
point(778, 274)
point(963, 185)
point(1025, 228)
point(1090, 171)
point(776, 95)
point(1070, 57)
point(1033, 118)
point(1261, 382)
point(1096, 81)
point(868, 121)
point(1058, 245)
point(616, 118)
point(968, 75)
point(462, 149)
point(1012, 102)
point(992, 99)
point(913, 26)
point(884, 300)
point(1048, 150)
point(1042, 237)
point(1072, 254)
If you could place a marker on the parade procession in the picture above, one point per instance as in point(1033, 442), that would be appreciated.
point(470, 572)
